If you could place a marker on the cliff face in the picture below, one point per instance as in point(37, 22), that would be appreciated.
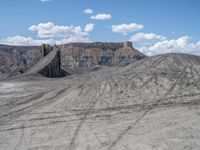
point(17, 59)
point(87, 55)
point(78, 57)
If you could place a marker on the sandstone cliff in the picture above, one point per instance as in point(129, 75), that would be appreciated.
point(77, 57)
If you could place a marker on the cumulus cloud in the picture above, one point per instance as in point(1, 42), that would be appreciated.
point(21, 40)
point(146, 38)
point(28, 41)
point(51, 34)
point(101, 17)
point(153, 44)
point(180, 45)
point(49, 30)
point(89, 27)
point(88, 11)
point(171, 44)
point(125, 28)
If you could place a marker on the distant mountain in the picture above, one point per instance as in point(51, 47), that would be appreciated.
point(77, 57)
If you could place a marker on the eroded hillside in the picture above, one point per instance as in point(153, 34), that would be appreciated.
point(152, 104)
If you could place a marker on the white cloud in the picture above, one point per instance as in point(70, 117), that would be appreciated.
point(21, 40)
point(125, 28)
point(180, 45)
point(51, 34)
point(146, 38)
point(89, 27)
point(72, 39)
point(101, 17)
point(153, 44)
point(88, 11)
point(28, 41)
point(45, 1)
point(171, 44)
point(49, 30)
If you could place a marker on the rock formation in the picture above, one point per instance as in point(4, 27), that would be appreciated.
point(76, 57)
point(49, 65)
point(53, 69)
point(86, 55)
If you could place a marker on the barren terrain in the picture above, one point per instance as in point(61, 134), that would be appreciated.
point(152, 104)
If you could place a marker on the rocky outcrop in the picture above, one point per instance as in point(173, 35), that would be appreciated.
point(53, 69)
point(77, 57)
point(49, 65)
point(86, 55)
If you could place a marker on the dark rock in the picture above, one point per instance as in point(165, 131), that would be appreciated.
point(53, 69)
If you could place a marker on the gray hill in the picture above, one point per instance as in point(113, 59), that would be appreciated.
point(152, 104)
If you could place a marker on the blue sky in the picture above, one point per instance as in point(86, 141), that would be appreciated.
point(154, 26)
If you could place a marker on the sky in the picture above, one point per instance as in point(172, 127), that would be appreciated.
point(153, 26)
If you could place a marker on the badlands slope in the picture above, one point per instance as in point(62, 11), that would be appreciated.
point(153, 104)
